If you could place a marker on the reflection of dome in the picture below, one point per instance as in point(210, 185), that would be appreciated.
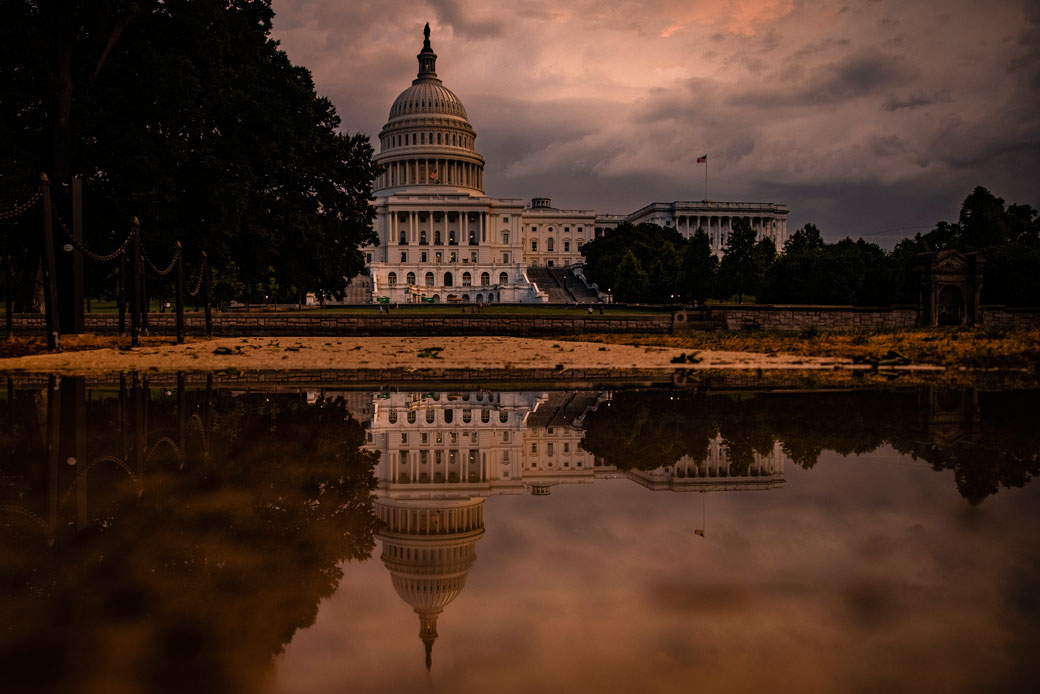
point(427, 140)
point(428, 547)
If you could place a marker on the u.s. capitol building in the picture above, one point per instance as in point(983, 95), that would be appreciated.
point(442, 239)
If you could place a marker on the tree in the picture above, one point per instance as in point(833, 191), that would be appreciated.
point(805, 241)
point(1008, 238)
point(186, 115)
point(659, 254)
point(699, 267)
point(744, 261)
point(631, 282)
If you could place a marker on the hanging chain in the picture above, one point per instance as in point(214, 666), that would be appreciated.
point(198, 283)
point(19, 209)
point(86, 251)
point(157, 271)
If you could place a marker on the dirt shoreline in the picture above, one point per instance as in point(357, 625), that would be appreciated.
point(418, 353)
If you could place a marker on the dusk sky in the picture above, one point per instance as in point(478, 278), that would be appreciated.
point(872, 118)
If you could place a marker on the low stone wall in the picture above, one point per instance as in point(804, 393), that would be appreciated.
point(1004, 317)
point(793, 317)
point(305, 324)
point(733, 317)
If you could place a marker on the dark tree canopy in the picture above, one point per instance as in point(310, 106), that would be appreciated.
point(1007, 237)
point(187, 115)
point(653, 264)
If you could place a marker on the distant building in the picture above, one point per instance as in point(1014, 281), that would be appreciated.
point(441, 239)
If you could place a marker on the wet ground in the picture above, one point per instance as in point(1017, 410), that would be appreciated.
point(307, 540)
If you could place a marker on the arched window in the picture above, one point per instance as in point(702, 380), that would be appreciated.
point(391, 279)
point(437, 236)
point(503, 278)
point(422, 237)
point(449, 416)
point(566, 246)
point(480, 298)
point(467, 279)
point(429, 416)
point(465, 298)
point(436, 298)
point(485, 416)
point(451, 238)
point(485, 279)
point(503, 416)
point(438, 138)
point(392, 416)
point(411, 416)
point(448, 279)
point(402, 237)
point(549, 245)
point(467, 416)
point(411, 278)
point(429, 279)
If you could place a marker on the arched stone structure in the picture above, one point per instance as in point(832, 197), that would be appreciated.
point(950, 285)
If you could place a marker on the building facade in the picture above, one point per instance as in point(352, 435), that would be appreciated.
point(442, 239)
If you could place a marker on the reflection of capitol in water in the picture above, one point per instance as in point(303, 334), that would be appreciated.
point(442, 454)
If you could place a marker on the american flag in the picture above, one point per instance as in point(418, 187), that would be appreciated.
point(702, 160)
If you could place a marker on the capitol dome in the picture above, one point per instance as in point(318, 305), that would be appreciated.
point(427, 143)
point(427, 96)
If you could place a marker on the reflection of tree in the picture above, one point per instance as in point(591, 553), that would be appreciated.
point(997, 445)
point(195, 584)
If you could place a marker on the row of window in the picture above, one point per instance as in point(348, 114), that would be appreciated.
point(449, 279)
point(402, 238)
point(453, 257)
point(550, 246)
point(448, 416)
point(442, 138)
point(566, 230)
point(439, 216)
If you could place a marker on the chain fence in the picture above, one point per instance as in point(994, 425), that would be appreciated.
point(20, 209)
point(143, 266)
point(78, 245)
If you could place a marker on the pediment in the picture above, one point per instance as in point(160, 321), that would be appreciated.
point(951, 260)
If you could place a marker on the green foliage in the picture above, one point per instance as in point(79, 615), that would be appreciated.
point(744, 261)
point(814, 272)
point(1007, 237)
point(699, 268)
point(188, 116)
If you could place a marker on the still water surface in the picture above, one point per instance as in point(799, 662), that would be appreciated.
point(184, 538)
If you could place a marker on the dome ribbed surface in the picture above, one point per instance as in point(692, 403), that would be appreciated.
point(427, 97)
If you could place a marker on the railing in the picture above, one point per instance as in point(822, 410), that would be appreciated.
point(132, 246)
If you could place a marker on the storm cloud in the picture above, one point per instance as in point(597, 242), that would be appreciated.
point(869, 119)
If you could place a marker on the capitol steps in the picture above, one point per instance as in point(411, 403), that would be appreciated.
point(562, 286)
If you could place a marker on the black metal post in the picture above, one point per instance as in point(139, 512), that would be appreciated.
point(50, 281)
point(146, 301)
point(206, 294)
point(121, 294)
point(8, 313)
point(135, 313)
point(180, 294)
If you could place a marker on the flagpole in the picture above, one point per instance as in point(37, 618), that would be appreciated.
point(705, 179)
